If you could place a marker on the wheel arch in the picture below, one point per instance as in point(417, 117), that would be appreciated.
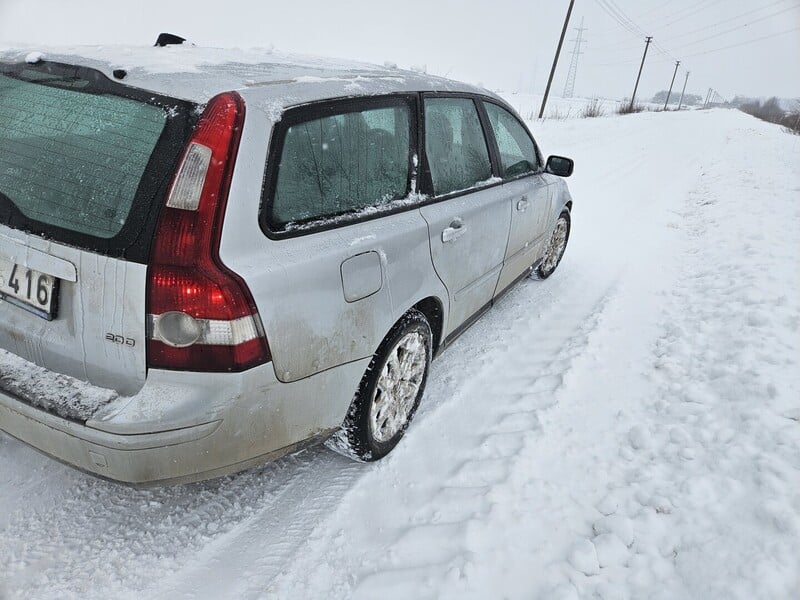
point(433, 310)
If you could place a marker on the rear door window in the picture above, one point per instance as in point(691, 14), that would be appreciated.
point(458, 156)
point(516, 148)
point(349, 161)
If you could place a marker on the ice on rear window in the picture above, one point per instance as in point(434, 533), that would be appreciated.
point(72, 159)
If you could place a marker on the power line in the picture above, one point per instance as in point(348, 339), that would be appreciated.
point(656, 10)
point(712, 50)
point(766, 37)
point(681, 11)
point(615, 13)
point(718, 23)
point(614, 28)
point(738, 27)
point(687, 15)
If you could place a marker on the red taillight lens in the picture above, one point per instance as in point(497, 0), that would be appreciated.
point(201, 315)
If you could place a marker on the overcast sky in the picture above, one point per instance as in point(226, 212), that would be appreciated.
point(749, 47)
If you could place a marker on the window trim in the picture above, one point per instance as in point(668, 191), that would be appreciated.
point(540, 163)
point(132, 243)
point(325, 108)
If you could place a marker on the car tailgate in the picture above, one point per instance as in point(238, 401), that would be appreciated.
point(85, 164)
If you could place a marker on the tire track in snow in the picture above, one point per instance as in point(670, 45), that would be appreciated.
point(117, 537)
point(268, 538)
point(430, 543)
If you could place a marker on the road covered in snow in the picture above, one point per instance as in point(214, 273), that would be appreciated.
point(628, 428)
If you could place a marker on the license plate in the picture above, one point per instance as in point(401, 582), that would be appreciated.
point(34, 291)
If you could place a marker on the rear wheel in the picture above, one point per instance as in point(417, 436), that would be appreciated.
point(555, 246)
point(389, 392)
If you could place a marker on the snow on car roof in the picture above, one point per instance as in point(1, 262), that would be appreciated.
point(198, 73)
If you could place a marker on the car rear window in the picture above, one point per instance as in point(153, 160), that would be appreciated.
point(85, 160)
point(74, 159)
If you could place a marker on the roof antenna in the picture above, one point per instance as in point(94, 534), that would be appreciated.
point(169, 39)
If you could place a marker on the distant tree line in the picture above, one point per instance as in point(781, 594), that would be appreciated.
point(772, 111)
point(688, 99)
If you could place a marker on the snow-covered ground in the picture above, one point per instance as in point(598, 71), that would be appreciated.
point(559, 109)
point(629, 428)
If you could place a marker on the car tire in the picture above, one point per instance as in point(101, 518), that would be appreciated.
point(389, 392)
point(556, 246)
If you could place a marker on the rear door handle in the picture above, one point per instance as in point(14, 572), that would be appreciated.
point(522, 204)
point(454, 231)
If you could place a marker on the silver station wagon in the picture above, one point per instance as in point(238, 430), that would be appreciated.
point(211, 258)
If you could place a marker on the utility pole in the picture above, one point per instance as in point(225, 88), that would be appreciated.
point(647, 41)
point(669, 93)
point(555, 59)
point(708, 97)
point(685, 81)
point(569, 86)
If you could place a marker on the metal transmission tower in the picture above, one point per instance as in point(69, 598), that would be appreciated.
point(577, 50)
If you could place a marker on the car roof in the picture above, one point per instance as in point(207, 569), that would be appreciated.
point(196, 73)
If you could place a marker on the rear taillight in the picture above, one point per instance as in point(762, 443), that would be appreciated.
point(201, 316)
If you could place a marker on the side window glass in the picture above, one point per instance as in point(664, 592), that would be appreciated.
point(455, 145)
point(341, 164)
point(517, 151)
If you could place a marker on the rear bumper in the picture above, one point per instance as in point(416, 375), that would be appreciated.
point(238, 420)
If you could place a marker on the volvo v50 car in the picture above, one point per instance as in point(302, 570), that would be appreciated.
point(208, 260)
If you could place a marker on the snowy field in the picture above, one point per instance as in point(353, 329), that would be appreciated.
point(629, 428)
point(559, 109)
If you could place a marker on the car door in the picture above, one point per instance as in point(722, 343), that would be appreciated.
point(341, 249)
point(526, 189)
point(468, 221)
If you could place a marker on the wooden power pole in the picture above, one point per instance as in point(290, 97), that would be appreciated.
point(685, 81)
point(555, 59)
point(669, 93)
point(647, 41)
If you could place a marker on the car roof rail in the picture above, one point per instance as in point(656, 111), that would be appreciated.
point(169, 39)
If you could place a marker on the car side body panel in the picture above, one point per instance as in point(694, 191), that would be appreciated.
point(529, 202)
point(297, 282)
point(469, 265)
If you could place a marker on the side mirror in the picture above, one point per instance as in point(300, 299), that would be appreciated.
point(559, 165)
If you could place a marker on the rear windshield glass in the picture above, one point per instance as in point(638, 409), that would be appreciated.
point(73, 159)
